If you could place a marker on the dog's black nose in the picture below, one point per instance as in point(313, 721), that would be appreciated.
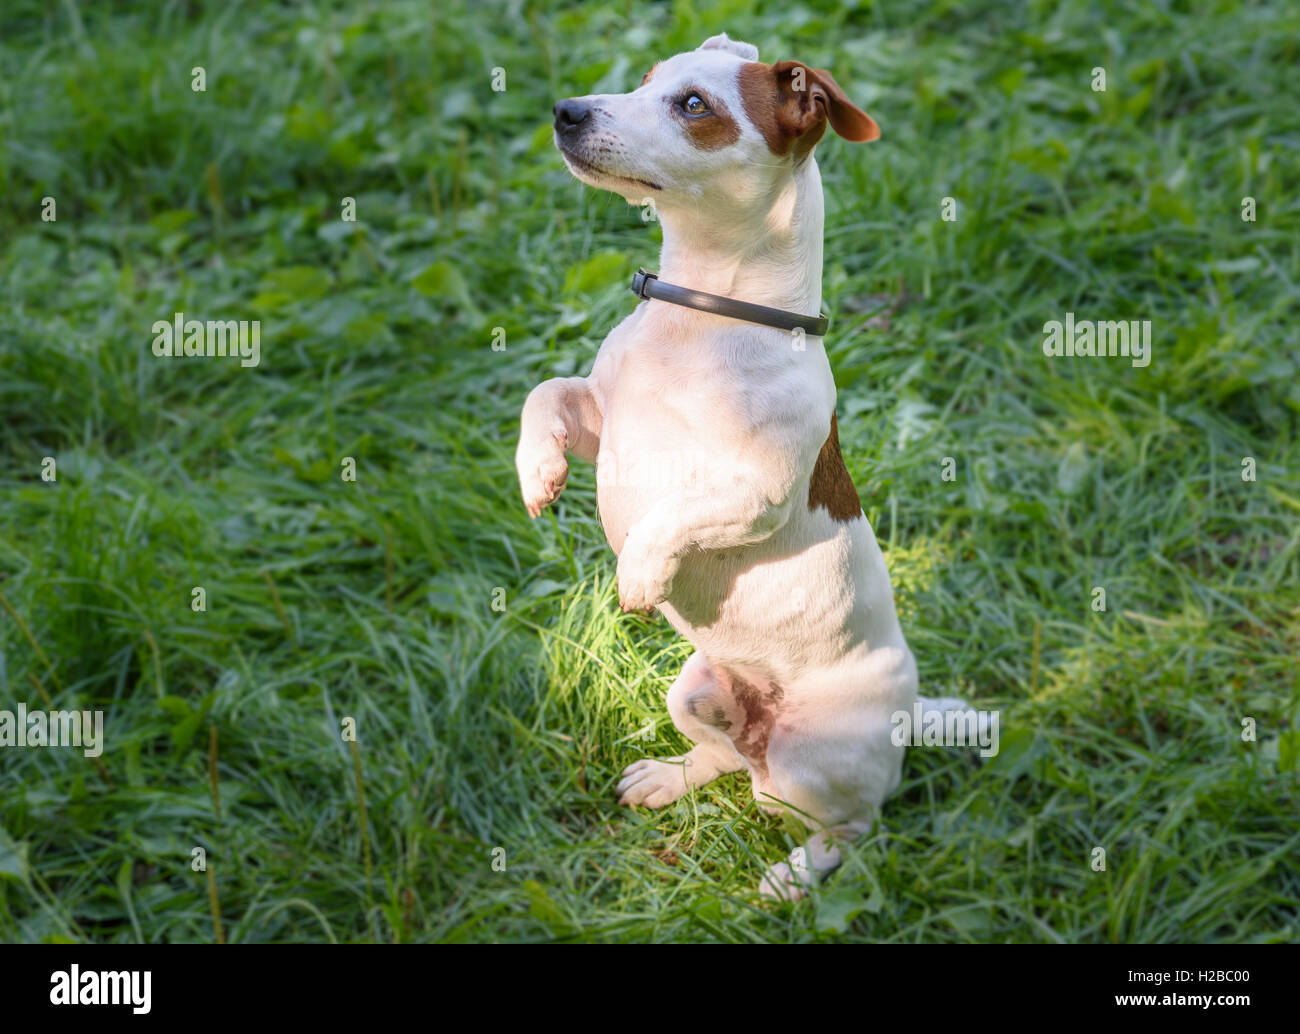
point(570, 115)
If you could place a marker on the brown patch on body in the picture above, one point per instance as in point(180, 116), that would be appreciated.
point(791, 104)
point(758, 707)
point(830, 485)
point(744, 711)
point(711, 132)
point(707, 707)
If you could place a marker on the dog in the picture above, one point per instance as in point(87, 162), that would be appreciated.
point(750, 537)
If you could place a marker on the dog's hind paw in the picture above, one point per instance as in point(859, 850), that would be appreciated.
point(653, 784)
point(782, 883)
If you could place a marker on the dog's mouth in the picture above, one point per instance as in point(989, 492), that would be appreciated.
point(580, 164)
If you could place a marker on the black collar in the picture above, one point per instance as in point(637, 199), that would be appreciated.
point(648, 285)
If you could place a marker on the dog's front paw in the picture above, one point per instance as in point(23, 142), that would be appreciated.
point(543, 469)
point(645, 577)
point(782, 883)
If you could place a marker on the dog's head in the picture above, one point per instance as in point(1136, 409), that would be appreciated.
point(709, 126)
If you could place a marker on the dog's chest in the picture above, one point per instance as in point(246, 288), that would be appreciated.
point(695, 416)
point(655, 444)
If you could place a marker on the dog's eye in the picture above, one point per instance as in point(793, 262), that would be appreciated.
point(694, 105)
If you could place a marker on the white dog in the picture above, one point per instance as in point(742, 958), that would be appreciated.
point(749, 538)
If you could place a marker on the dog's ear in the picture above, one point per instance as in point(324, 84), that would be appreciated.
point(791, 105)
point(721, 42)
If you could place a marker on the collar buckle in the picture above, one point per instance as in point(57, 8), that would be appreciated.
point(639, 282)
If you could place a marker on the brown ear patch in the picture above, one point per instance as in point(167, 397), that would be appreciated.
point(650, 74)
point(710, 132)
point(831, 487)
point(763, 103)
point(791, 104)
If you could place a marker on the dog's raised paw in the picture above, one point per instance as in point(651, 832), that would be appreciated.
point(652, 784)
point(542, 473)
point(644, 578)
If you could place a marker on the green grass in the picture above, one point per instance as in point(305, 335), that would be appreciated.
point(483, 729)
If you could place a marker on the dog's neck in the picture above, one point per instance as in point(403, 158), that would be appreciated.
point(775, 260)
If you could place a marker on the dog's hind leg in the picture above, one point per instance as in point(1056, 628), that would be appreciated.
point(834, 775)
point(790, 880)
point(697, 707)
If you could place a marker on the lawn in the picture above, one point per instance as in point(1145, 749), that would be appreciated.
point(495, 689)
